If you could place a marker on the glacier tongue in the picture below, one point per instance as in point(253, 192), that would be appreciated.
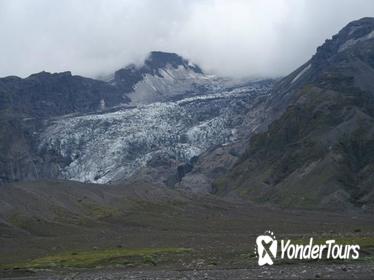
point(113, 146)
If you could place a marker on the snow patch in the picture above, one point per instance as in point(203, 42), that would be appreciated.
point(301, 73)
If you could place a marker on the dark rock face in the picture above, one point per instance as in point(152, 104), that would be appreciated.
point(342, 62)
point(126, 78)
point(15, 160)
point(19, 158)
point(157, 60)
point(319, 152)
point(355, 32)
point(44, 94)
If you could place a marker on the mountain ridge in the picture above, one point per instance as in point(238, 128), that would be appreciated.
point(317, 151)
point(174, 113)
point(310, 136)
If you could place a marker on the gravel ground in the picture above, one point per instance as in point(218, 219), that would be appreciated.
point(314, 271)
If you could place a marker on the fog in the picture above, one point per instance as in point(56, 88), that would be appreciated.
point(239, 38)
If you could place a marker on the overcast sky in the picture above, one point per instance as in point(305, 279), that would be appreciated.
point(227, 37)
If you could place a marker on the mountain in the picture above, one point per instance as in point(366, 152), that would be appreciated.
point(305, 141)
point(165, 171)
point(26, 104)
point(44, 95)
point(149, 122)
point(164, 77)
point(319, 150)
point(126, 78)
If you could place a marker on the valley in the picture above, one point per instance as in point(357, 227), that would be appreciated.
point(84, 231)
point(161, 170)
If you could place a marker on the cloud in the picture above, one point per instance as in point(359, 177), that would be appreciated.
point(233, 38)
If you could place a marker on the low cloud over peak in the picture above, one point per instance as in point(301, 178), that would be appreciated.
point(232, 38)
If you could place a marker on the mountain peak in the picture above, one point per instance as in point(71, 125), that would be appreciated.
point(127, 77)
point(363, 25)
point(354, 41)
point(354, 32)
point(158, 59)
point(44, 75)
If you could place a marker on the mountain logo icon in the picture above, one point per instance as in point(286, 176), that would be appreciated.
point(266, 248)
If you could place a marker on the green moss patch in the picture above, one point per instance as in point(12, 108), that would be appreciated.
point(94, 258)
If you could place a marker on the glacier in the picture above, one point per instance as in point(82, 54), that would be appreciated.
point(107, 147)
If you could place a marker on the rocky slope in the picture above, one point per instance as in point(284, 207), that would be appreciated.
point(319, 152)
